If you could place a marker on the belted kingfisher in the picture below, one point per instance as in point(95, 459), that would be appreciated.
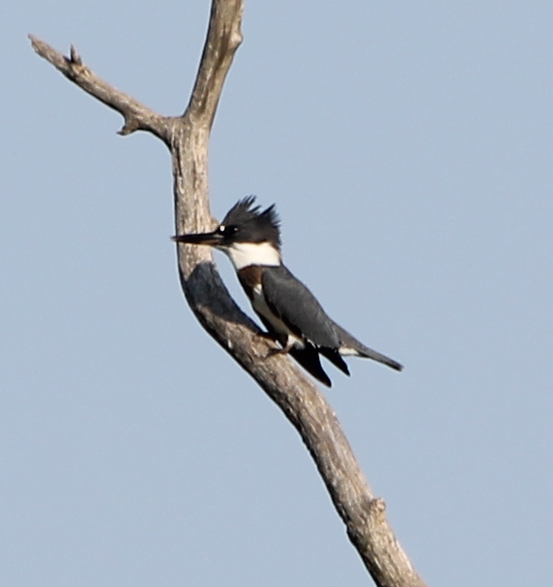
point(290, 312)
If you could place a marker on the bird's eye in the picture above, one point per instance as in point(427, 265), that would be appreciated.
point(229, 230)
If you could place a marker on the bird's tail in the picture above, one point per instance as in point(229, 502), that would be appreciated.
point(351, 346)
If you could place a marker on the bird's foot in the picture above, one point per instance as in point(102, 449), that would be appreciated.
point(279, 351)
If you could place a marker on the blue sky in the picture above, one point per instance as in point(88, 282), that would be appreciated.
point(409, 150)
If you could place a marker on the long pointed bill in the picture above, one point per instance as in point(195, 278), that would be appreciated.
point(209, 238)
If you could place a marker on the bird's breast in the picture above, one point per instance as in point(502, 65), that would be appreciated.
point(250, 278)
point(260, 305)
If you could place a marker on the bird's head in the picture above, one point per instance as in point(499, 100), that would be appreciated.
point(247, 234)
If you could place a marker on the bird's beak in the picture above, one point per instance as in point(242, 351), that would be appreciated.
point(212, 239)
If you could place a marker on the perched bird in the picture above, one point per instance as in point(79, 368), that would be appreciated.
point(290, 312)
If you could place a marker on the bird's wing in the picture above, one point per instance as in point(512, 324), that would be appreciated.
point(307, 357)
point(298, 308)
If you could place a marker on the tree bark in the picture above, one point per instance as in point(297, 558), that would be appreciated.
point(187, 138)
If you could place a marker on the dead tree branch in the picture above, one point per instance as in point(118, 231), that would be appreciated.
point(187, 138)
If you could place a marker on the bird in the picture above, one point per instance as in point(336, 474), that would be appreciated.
point(292, 315)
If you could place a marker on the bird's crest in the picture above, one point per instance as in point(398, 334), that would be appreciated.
point(252, 223)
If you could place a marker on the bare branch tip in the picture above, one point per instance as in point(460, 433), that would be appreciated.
point(131, 125)
point(36, 43)
point(74, 56)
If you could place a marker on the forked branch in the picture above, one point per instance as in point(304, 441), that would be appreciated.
point(187, 138)
point(136, 115)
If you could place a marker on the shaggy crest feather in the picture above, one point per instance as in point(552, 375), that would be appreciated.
point(251, 222)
